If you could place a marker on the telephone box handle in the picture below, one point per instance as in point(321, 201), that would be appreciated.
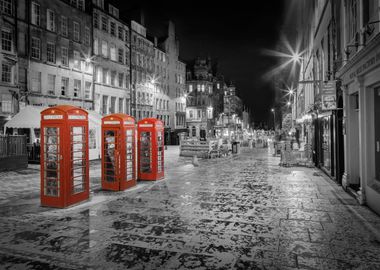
point(117, 155)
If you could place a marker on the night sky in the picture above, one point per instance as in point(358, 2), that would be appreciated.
point(235, 33)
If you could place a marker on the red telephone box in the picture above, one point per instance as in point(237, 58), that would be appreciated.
point(118, 152)
point(150, 149)
point(64, 156)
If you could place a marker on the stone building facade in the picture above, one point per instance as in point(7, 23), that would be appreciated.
point(54, 48)
point(142, 66)
point(111, 58)
point(9, 92)
point(199, 107)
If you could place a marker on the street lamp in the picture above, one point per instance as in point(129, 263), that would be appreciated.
point(274, 118)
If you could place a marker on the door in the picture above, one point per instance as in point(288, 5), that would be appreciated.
point(377, 133)
point(145, 152)
point(52, 188)
point(160, 152)
point(78, 158)
point(129, 155)
point(111, 159)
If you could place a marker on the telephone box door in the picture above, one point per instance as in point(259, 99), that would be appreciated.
point(130, 177)
point(145, 157)
point(78, 161)
point(52, 167)
point(111, 159)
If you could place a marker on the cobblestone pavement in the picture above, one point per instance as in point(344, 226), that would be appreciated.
point(242, 212)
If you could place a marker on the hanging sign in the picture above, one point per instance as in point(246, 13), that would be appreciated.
point(328, 95)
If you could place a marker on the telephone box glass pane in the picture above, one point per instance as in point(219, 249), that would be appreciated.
point(78, 159)
point(160, 155)
point(51, 158)
point(145, 152)
point(129, 154)
point(109, 155)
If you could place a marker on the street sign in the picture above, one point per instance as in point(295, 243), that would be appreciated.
point(329, 95)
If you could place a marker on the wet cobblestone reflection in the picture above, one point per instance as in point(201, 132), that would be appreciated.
point(243, 212)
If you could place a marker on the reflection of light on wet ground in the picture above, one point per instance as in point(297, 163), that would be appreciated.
point(221, 215)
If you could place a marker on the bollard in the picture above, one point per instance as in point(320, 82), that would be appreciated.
point(195, 161)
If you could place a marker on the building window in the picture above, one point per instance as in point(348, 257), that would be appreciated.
point(6, 6)
point(64, 28)
point(77, 60)
point(50, 23)
point(104, 24)
point(104, 48)
point(96, 46)
point(113, 78)
point(121, 105)
point(105, 74)
point(104, 105)
point(81, 5)
point(76, 31)
point(65, 56)
point(50, 52)
point(36, 81)
point(121, 79)
point(35, 14)
point(6, 40)
point(113, 29)
point(120, 33)
point(98, 72)
point(6, 72)
point(114, 11)
point(87, 90)
point(64, 86)
point(96, 20)
point(36, 48)
point(77, 88)
point(113, 105)
point(6, 103)
point(113, 52)
point(121, 55)
point(87, 36)
point(51, 84)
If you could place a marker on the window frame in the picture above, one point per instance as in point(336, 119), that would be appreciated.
point(76, 32)
point(36, 18)
point(48, 44)
point(8, 73)
point(50, 22)
point(36, 49)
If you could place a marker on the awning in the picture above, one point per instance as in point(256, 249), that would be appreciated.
point(28, 117)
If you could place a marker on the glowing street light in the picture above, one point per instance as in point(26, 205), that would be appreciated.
point(296, 57)
point(274, 118)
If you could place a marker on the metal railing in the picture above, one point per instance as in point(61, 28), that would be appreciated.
point(12, 145)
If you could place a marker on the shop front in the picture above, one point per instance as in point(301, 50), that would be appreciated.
point(361, 83)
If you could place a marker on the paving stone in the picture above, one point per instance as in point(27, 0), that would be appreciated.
point(244, 212)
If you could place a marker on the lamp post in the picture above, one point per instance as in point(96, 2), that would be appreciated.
point(274, 118)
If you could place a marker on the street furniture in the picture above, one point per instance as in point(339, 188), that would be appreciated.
point(150, 149)
point(64, 156)
point(118, 152)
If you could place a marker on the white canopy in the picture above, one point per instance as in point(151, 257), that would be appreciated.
point(28, 117)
